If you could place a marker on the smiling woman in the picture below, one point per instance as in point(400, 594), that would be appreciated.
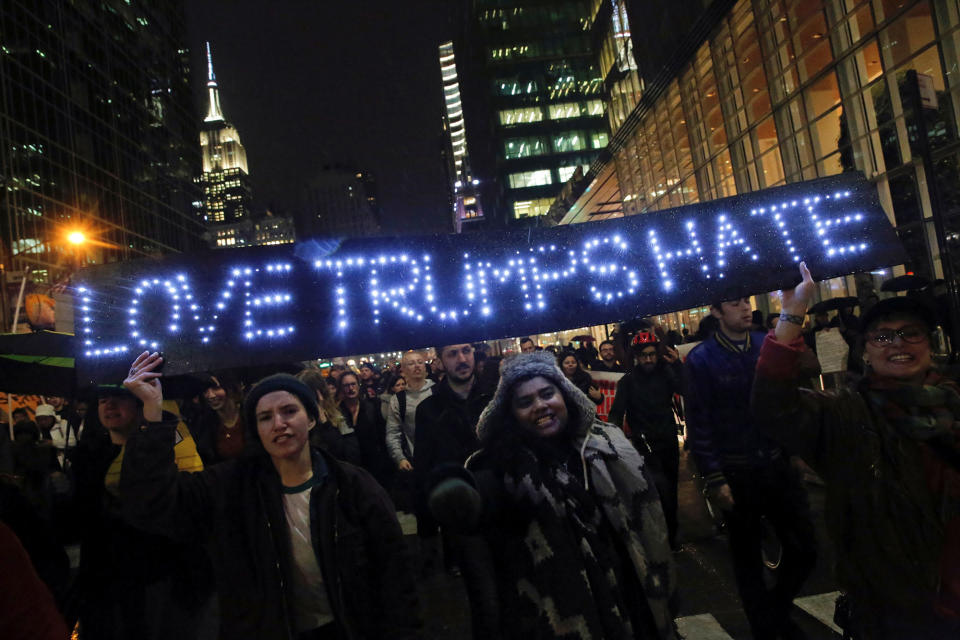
point(889, 451)
point(568, 510)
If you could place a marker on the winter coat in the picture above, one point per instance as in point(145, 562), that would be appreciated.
point(132, 582)
point(541, 567)
point(236, 508)
point(204, 425)
point(584, 381)
point(371, 438)
point(646, 399)
point(876, 493)
point(342, 446)
point(720, 432)
point(446, 429)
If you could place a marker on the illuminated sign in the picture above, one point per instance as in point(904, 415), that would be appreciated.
point(284, 303)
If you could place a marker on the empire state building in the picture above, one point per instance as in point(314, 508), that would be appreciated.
point(225, 180)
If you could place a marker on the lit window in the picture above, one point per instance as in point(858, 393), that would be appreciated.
point(520, 116)
point(526, 208)
point(569, 141)
point(564, 110)
point(523, 147)
point(530, 178)
point(595, 107)
point(566, 172)
point(599, 139)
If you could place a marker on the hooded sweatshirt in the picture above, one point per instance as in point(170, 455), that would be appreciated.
point(401, 429)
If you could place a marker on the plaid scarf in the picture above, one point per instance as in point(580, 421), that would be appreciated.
point(567, 580)
point(929, 415)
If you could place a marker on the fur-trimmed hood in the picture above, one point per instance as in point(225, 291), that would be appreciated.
point(525, 366)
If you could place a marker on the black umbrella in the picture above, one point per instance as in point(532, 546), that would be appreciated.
point(908, 282)
point(834, 304)
point(40, 362)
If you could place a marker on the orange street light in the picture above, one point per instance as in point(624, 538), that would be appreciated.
point(76, 237)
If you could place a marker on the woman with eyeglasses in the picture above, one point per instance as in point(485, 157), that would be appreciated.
point(889, 451)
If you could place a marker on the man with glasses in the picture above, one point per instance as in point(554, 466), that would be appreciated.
point(608, 359)
point(363, 416)
point(645, 397)
point(747, 475)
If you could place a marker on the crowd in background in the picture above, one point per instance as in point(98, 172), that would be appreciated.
point(475, 447)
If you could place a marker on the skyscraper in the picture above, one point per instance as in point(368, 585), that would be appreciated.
point(546, 97)
point(98, 133)
point(225, 179)
point(340, 201)
point(464, 195)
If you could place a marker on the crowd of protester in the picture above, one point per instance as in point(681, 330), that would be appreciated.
point(269, 509)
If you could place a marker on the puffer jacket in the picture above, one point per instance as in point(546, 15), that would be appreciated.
point(878, 507)
point(237, 508)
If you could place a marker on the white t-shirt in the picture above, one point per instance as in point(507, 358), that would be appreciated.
point(311, 608)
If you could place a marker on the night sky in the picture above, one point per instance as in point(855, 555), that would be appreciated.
point(309, 83)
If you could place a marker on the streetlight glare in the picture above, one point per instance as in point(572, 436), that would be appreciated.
point(76, 237)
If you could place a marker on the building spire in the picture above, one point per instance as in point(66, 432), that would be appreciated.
point(213, 113)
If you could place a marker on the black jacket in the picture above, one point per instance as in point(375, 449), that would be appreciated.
point(343, 447)
point(371, 434)
point(131, 582)
point(237, 508)
point(583, 381)
point(446, 430)
point(647, 401)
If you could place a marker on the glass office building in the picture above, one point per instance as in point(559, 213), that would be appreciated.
point(766, 92)
point(97, 133)
point(546, 97)
point(462, 186)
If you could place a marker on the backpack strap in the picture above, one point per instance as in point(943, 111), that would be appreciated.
point(402, 401)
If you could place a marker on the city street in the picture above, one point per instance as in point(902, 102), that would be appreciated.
point(709, 605)
point(264, 265)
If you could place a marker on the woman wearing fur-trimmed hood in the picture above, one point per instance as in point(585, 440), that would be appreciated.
point(571, 516)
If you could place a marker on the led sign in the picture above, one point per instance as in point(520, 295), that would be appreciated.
point(239, 307)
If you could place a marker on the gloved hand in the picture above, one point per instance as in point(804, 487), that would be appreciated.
point(456, 504)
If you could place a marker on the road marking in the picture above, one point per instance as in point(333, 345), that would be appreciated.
point(705, 627)
point(701, 627)
point(821, 607)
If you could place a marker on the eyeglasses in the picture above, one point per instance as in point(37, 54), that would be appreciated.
point(911, 334)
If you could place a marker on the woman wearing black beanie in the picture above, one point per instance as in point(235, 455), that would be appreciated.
point(304, 546)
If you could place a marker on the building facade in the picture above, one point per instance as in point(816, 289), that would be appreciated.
point(227, 194)
point(546, 96)
point(340, 201)
point(273, 229)
point(98, 133)
point(765, 92)
point(464, 196)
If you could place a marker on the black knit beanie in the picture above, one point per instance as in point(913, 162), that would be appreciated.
point(279, 382)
